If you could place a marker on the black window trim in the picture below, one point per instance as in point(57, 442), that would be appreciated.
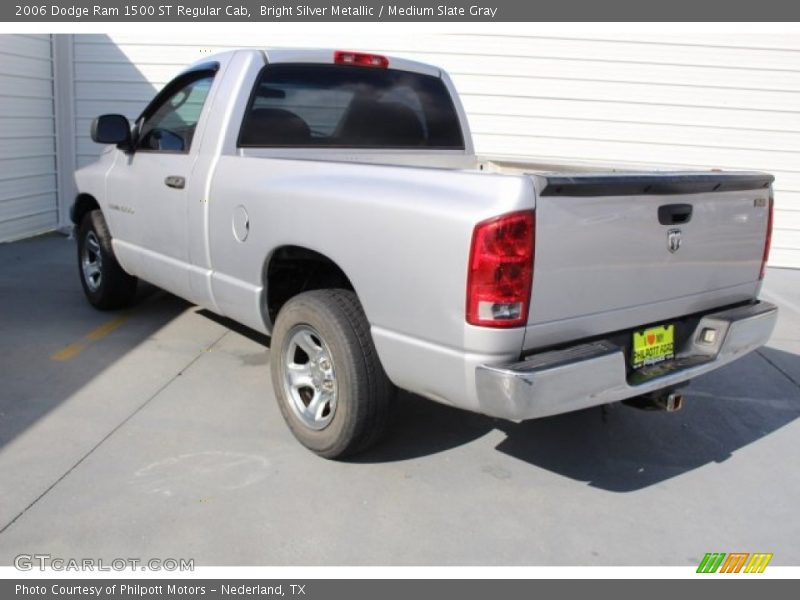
point(195, 73)
point(251, 100)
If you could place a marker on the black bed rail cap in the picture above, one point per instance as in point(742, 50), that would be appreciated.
point(634, 184)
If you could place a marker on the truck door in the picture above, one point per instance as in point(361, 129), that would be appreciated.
point(148, 185)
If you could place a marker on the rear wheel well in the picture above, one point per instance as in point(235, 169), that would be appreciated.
point(84, 203)
point(293, 270)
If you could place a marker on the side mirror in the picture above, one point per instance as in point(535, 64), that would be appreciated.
point(112, 129)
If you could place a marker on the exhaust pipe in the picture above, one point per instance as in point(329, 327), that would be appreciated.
point(669, 401)
point(672, 402)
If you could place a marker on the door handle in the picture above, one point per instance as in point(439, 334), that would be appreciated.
point(175, 181)
point(674, 214)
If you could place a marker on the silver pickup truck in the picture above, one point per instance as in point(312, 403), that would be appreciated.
point(333, 200)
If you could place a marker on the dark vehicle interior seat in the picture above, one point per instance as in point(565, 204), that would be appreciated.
point(374, 123)
point(274, 127)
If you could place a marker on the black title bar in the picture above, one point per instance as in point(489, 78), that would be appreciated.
point(412, 11)
point(731, 588)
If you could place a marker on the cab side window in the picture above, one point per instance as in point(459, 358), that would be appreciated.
point(169, 126)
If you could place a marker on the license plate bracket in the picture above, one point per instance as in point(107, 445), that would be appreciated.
point(652, 345)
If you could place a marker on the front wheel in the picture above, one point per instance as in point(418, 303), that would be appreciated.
point(104, 282)
point(330, 385)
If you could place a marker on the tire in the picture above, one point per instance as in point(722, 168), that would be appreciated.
point(104, 282)
point(330, 385)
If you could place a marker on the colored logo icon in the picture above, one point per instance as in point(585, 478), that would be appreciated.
point(735, 562)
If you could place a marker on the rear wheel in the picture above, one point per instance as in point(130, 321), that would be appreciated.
point(104, 282)
point(330, 385)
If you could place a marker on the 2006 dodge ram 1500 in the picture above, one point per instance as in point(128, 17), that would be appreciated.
point(333, 200)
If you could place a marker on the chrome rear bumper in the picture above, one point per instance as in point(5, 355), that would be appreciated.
point(595, 373)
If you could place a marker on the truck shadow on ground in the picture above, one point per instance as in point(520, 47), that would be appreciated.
point(619, 449)
point(44, 311)
point(616, 448)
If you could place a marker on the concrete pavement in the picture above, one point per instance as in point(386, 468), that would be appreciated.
point(156, 434)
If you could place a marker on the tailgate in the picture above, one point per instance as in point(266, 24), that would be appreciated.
point(615, 251)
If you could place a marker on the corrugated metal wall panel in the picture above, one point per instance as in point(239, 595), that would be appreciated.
point(28, 189)
point(648, 100)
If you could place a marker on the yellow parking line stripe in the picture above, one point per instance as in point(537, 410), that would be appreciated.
point(68, 353)
point(71, 351)
point(106, 328)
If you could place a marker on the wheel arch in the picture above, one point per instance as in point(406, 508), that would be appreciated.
point(292, 269)
point(84, 203)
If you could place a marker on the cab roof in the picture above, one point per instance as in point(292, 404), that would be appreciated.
point(320, 56)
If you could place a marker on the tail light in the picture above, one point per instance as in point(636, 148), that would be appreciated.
point(360, 59)
point(501, 271)
point(767, 240)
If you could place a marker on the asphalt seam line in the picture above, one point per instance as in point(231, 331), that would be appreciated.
point(113, 431)
point(777, 368)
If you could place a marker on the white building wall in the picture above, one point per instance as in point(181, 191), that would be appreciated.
point(28, 179)
point(693, 101)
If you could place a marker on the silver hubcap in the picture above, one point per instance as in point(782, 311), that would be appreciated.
point(309, 378)
point(92, 261)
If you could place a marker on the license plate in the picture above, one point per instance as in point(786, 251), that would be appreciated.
point(653, 345)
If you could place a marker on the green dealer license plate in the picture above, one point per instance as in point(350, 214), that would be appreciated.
point(653, 345)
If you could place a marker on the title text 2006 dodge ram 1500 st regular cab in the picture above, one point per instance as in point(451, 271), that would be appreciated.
point(333, 200)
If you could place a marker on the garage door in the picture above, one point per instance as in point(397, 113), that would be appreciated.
point(28, 194)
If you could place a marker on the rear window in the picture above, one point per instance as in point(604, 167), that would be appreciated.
point(335, 106)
